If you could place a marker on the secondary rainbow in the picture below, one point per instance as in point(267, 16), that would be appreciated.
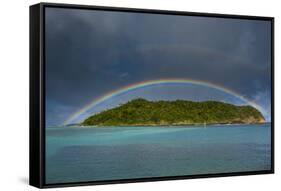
point(155, 82)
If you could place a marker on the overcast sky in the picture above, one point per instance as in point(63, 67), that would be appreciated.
point(90, 53)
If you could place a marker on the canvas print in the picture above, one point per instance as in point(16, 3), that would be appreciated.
point(140, 95)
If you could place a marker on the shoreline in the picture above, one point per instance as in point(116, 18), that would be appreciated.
point(169, 125)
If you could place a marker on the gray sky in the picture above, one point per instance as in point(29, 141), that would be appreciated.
point(90, 53)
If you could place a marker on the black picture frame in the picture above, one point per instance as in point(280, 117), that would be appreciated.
point(37, 94)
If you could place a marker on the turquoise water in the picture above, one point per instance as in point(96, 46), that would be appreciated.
point(78, 154)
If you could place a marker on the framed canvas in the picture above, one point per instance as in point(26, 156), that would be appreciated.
point(122, 95)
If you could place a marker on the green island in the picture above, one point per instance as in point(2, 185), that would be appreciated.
point(141, 112)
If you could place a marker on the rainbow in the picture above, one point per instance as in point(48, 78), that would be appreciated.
point(155, 82)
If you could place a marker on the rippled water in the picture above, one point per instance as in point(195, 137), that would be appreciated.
point(79, 154)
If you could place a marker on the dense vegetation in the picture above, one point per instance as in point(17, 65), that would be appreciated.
point(143, 112)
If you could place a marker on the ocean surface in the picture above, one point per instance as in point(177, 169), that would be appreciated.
point(79, 154)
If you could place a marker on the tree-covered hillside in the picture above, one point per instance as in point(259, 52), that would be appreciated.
point(180, 112)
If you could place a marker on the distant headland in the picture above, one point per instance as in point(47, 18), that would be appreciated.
point(141, 112)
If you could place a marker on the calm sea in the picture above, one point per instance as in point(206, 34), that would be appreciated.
point(76, 154)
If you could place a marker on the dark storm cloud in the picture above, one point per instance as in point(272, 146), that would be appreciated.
point(90, 53)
